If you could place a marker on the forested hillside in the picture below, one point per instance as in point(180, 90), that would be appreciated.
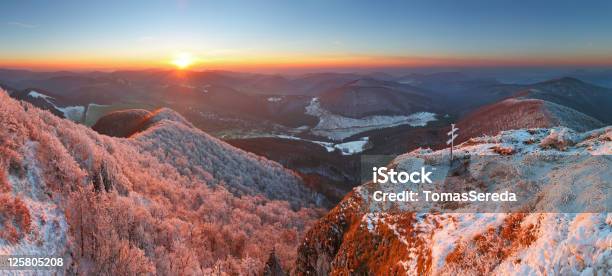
point(161, 202)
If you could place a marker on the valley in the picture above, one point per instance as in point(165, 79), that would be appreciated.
point(253, 141)
point(337, 117)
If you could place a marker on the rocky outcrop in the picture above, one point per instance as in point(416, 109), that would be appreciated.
point(552, 171)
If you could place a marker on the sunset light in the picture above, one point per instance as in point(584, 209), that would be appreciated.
point(180, 36)
point(183, 60)
point(319, 137)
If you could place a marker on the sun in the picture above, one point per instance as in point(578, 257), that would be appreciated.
point(183, 60)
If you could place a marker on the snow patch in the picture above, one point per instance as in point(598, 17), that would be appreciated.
point(73, 113)
point(275, 99)
point(337, 127)
point(347, 148)
point(49, 230)
point(370, 220)
point(37, 95)
point(352, 147)
point(569, 243)
point(572, 244)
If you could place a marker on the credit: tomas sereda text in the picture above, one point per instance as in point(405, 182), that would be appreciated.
point(421, 178)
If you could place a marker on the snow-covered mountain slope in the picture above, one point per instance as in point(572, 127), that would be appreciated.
point(202, 157)
point(172, 200)
point(517, 113)
point(356, 237)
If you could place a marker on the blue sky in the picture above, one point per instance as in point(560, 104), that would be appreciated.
point(141, 31)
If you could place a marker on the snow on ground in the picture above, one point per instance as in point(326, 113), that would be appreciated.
point(565, 243)
point(549, 170)
point(347, 148)
point(370, 220)
point(554, 141)
point(352, 147)
point(327, 145)
point(37, 95)
point(458, 227)
point(49, 229)
point(571, 244)
point(337, 127)
point(275, 99)
point(73, 113)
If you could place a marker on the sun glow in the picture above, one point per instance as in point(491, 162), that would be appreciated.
point(183, 60)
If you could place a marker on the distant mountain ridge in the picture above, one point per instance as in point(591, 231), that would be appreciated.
point(366, 97)
point(517, 113)
point(587, 98)
point(348, 106)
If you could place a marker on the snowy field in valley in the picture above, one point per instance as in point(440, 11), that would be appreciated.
point(73, 113)
point(337, 127)
point(346, 148)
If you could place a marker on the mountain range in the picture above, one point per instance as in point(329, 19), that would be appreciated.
point(257, 111)
point(226, 172)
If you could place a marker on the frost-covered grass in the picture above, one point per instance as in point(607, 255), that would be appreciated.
point(541, 239)
point(563, 243)
point(500, 244)
point(46, 233)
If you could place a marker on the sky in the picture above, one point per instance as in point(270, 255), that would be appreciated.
point(273, 34)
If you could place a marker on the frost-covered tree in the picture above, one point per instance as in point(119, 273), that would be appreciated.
point(170, 200)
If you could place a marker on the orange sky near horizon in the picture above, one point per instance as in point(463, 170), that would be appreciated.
point(279, 35)
point(295, 62)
